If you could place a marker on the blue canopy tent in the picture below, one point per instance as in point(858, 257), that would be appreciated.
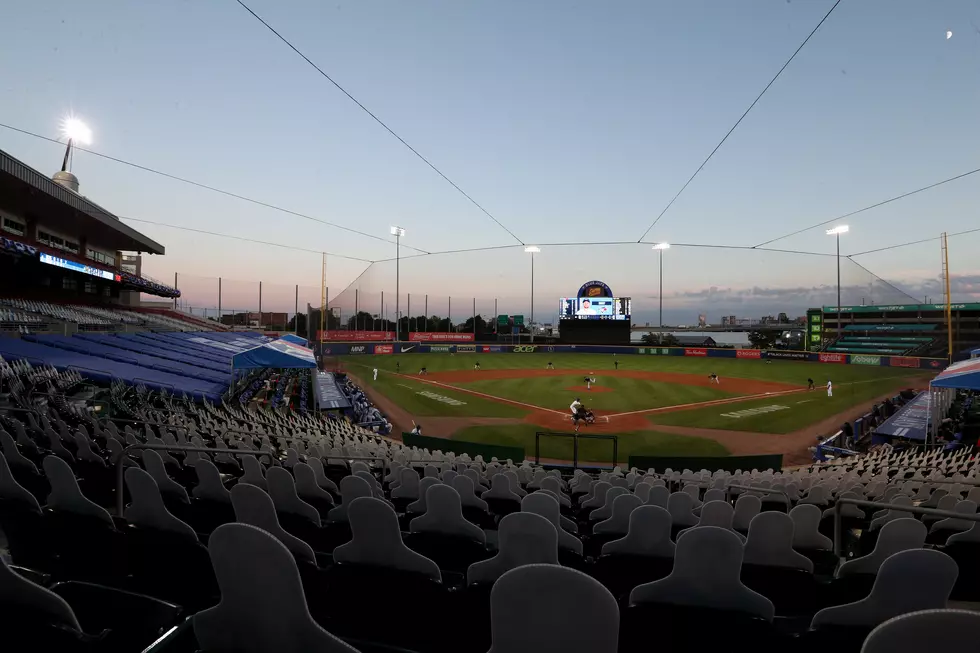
point(276, 354)
point(975, 353)
point(964, 375)
point(296, 340)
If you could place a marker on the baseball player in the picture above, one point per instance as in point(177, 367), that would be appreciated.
point(830, 388)
point(375, 374)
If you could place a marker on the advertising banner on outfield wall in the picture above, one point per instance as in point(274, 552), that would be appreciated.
point(524, 349)
point(829, 357)
point(358, 349)
point(355, 336)
point(748, 353)
point(491, 349)
point(903, 361)
point(384, 349)
point(695, 352)
point(423, 336)
point(438, 349)
point(465, 349)
point(864, 359)
point(787, 355)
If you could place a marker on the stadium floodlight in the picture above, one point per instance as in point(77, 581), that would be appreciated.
point(532, 250)
point(837, 231)
point(397, 232)
point(661, 247)
point(75, 131)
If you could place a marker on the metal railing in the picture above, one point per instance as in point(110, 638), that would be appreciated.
point(120, 462)
point(755, 488)
point(861, 503)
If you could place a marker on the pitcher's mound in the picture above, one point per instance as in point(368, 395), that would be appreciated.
point(595, 388)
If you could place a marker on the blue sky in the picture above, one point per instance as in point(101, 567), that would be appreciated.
point(567, 121)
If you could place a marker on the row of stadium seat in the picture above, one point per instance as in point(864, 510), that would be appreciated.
point(435, 496)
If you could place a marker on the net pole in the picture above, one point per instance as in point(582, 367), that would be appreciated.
point(449, 321)
point(408, 309)
point(357, 313)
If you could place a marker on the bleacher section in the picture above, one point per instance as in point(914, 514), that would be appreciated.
point(291, 532)
point(31, 316)
point(874, 342)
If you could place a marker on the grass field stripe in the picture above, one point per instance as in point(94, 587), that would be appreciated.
point(719, 402)
point(417, 379)
point(491, 397)
point(705, 404)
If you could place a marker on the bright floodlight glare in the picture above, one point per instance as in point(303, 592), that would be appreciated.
point(397, 231)
point(843, 229)
point(533, 249)
point(75, 130)
point(662, 246)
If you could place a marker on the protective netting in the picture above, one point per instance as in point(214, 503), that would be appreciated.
point(696, 281)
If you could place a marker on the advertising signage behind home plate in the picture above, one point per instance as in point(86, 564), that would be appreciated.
point(421, 336)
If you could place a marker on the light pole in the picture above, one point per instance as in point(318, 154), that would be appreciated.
point(837, 231)
point(661, 247)
point(532, 250)
point(397, 232)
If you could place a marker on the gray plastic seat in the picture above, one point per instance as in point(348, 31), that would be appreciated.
point(444, 515)
point(263, 607)
point(147, 509)
point(376, 540)
point(649, 535)
point(925, 630)
point(530, 608)
point(707, 564)
point(896, 536)
point(524, 538)
point(917, 579)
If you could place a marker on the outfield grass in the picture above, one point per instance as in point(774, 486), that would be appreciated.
point(804, 408)
point(611, 394)
point(632, 443)
point(793, 372)
point(404, 391)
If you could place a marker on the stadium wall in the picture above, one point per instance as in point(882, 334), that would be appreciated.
point(829, 358)
point(488, 451)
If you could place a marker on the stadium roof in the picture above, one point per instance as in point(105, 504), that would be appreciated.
point(65, 211)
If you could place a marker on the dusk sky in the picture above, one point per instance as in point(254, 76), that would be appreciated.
point(567, 121)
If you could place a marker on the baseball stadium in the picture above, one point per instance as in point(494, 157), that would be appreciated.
point(429, 327)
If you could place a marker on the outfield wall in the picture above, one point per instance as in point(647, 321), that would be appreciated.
point(829, 358)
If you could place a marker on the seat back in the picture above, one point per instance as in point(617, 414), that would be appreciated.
point(806, 524)
point(147, 509)
point(15, 590)
point(209, 486)
point(935, 630)
point(895, 536)
point(444, 515)
point(11, 490)
point(680, 505)
point(707, 564)
point(770, 543)
point(916, 579)
point(746, 507)
point(65, 494)
point(351, 487)
point(529, 608)
point(543, 504)
point(524, 538)
point(649, 534)
point(619, 521)
point(376, 540)
point(262, 607)
point(255, 507)
point(282, 489)
point(658, 496)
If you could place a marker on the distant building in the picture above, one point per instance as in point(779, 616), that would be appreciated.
point(255, 319)
point(695, 341)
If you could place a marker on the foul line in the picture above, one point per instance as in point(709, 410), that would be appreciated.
point(468, 391)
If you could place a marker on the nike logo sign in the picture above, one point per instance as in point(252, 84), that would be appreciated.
point(410, 348)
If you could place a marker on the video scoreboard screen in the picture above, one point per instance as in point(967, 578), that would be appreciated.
point(595, 308)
